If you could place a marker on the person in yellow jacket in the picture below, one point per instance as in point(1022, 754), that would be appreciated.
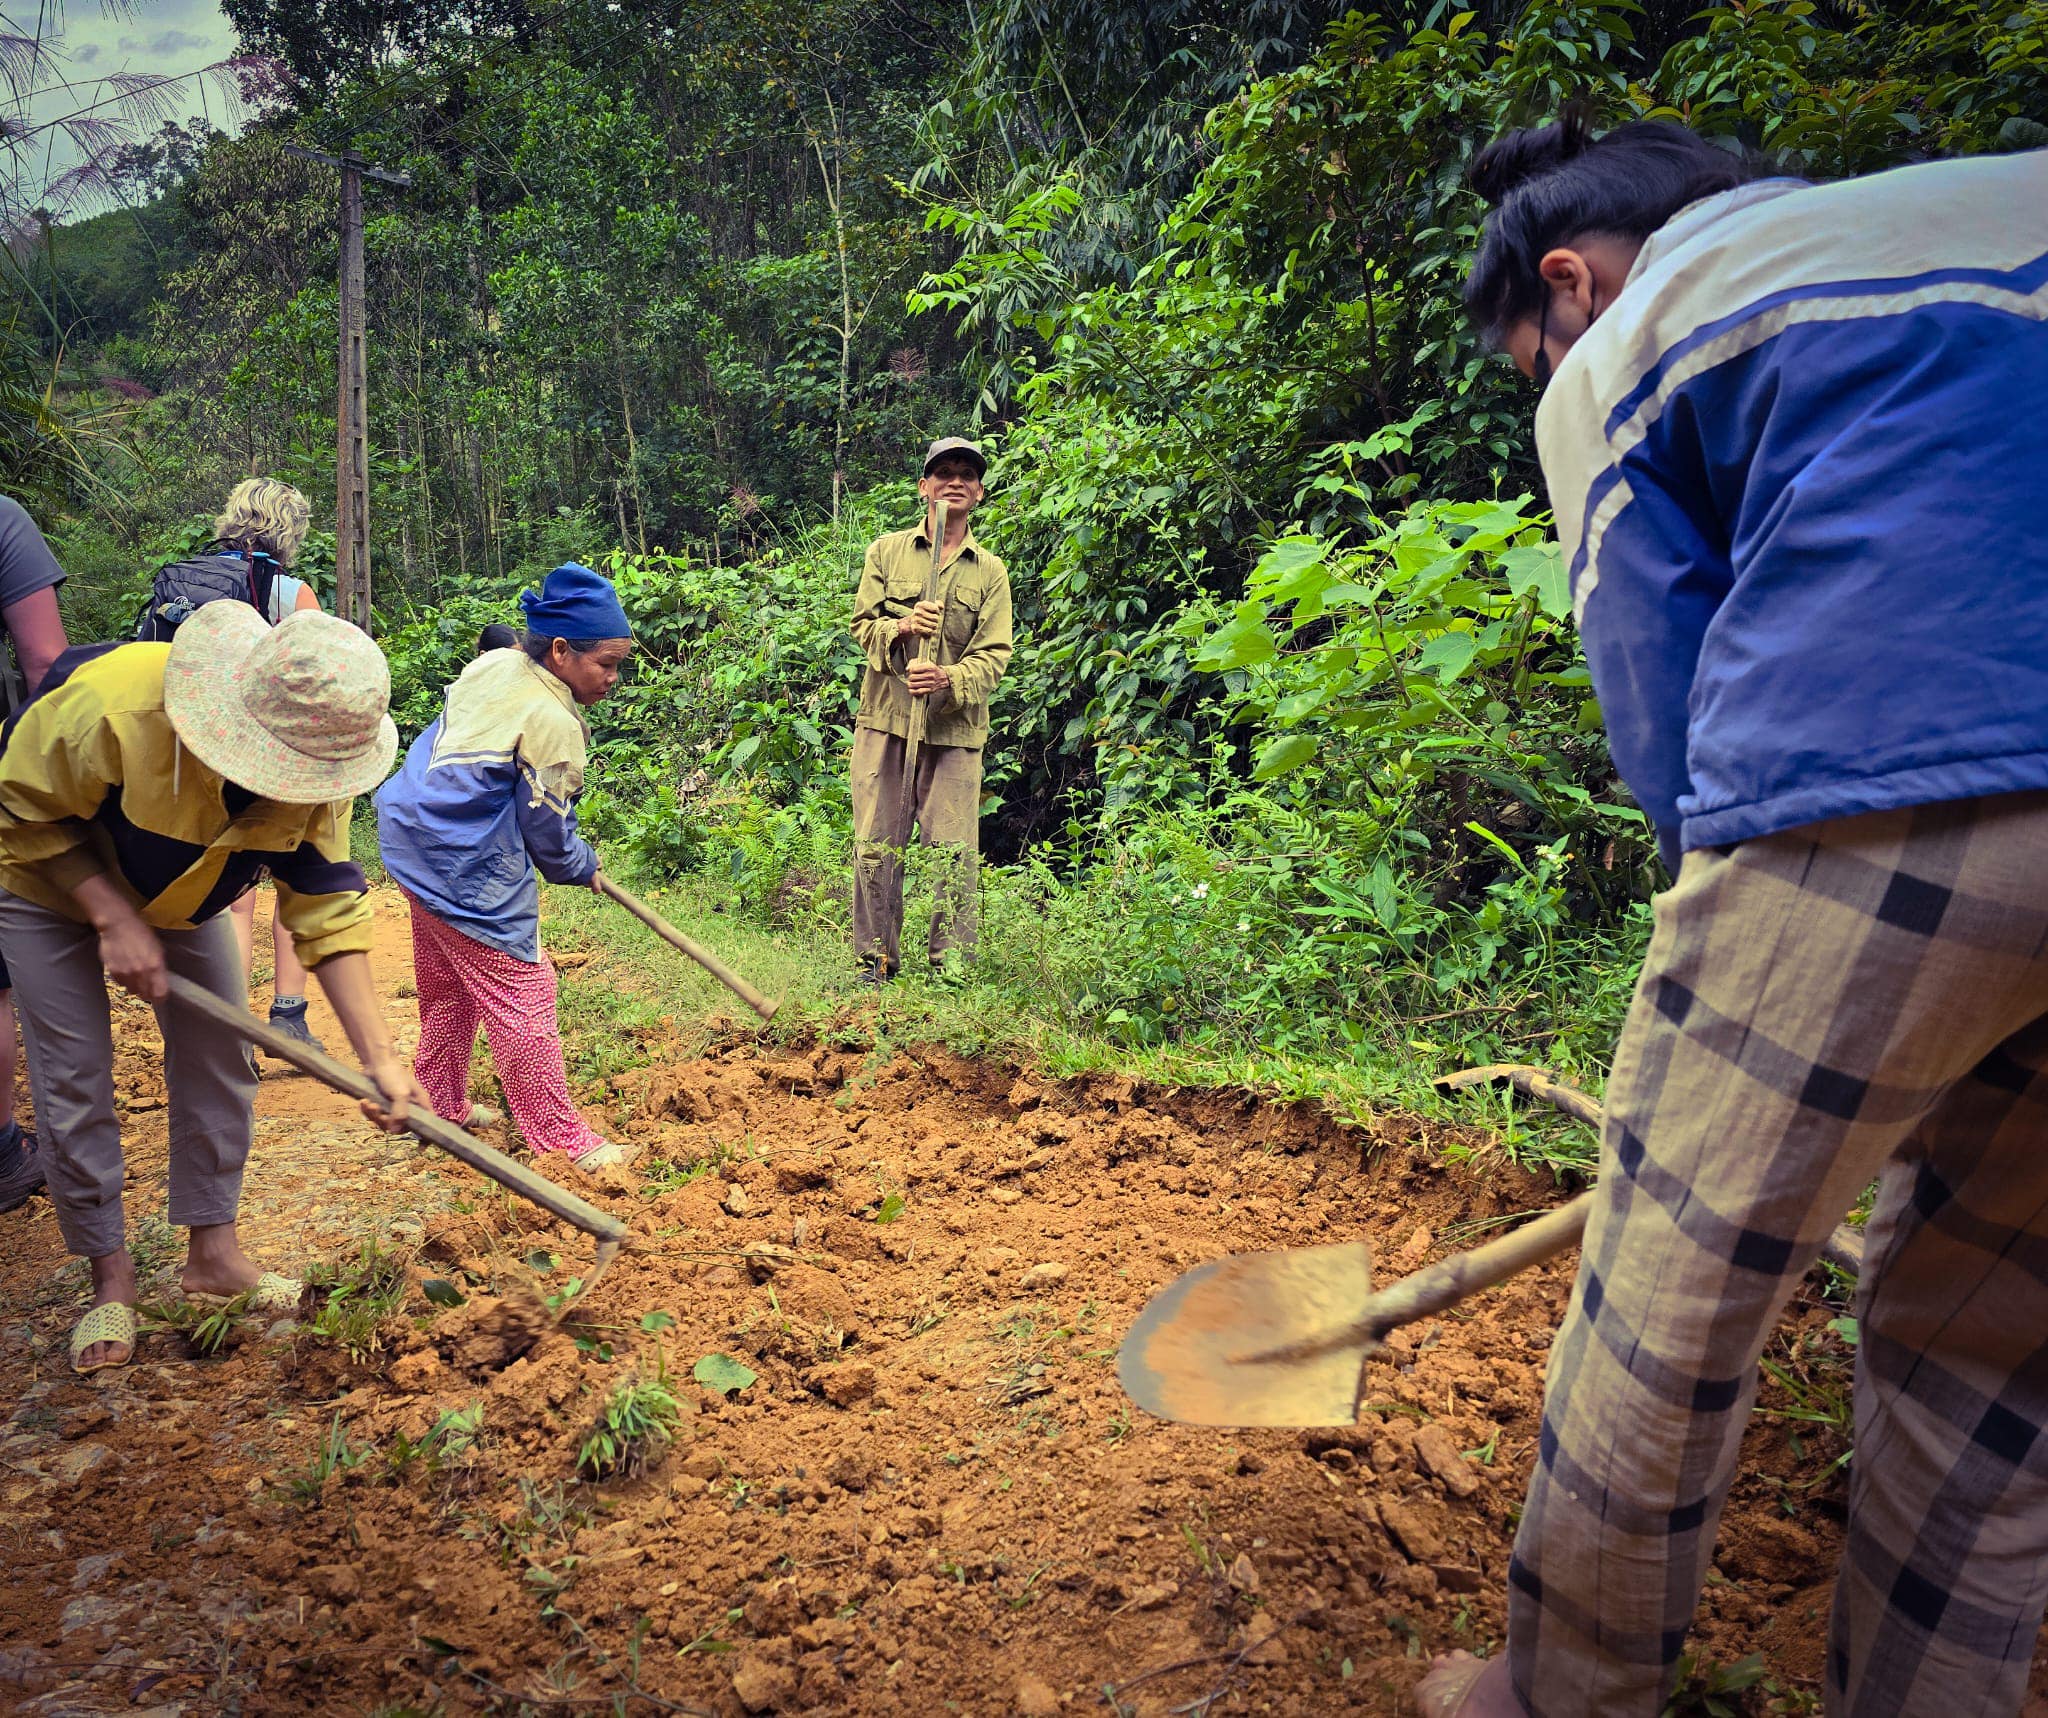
point(142, 791)
point(891, 619)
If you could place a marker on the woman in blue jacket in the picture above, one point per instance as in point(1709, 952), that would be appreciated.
point(487, 799)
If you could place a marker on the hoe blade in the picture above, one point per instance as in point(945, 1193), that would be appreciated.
point(1255, 1339)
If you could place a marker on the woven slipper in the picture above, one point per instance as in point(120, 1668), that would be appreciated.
point(612, 1154)
point(112, 1321)
point(269, 1293)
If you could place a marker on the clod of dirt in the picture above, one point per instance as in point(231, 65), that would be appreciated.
point(1418, 1541)
point(845, 1385)
point(486, 1335)
point(1035, 1699)
point(762, 1687)
point(1042, 1276)
point(736, 1202)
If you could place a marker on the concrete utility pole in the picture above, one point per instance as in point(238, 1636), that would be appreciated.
point(351, 410)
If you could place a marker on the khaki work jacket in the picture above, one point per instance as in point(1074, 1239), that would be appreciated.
point(974, 640)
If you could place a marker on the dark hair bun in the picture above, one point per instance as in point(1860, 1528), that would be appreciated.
point(1520, 156)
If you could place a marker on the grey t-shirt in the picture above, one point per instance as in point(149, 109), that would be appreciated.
point(26, 564)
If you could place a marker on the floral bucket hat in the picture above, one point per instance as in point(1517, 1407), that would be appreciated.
point(296, 712)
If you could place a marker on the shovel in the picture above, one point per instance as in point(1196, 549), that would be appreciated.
point(1282, 1339)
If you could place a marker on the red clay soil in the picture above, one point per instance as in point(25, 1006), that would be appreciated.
point(933, 1497)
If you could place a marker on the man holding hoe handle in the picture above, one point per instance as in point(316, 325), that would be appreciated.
point(969, 626)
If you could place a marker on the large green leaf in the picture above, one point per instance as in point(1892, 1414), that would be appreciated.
point(1289, 751)
point(721, 1372)
point(1540, 567)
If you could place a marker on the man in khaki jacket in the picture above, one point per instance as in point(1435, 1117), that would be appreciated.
point(971, 621)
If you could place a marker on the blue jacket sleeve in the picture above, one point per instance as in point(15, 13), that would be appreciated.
point(1659, 573)
point(548, 827)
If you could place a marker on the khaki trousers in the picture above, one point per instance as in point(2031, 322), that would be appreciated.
point(60, 992)
point(947, 813)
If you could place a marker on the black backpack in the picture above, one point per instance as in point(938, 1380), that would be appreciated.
point(216, 574)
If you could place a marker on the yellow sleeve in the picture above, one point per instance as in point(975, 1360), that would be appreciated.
point(60, 760)
point(322, 896)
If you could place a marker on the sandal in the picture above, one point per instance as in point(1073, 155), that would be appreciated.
point(268, 1293)
point(110, 1321)
point(606, 1154)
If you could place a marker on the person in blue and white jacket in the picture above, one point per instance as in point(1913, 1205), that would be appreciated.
point(486, 799)
point(1795, 441)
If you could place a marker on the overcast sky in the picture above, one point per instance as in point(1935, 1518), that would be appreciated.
point(165, 37)
point(147, 36)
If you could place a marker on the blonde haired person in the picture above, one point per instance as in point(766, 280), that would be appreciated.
point(265, 521)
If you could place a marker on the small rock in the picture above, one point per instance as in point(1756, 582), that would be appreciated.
point(1153, 1598)
point(72, 1463)
point(737, 1204)
point(92, 1611)
point(91, 1571)
point(1043, 1276)
point(1035, 1699)
point(1006, 1196)
point(1457, 1577)
point(408, 1228)
point(1439, 1455)
point(1244, 1574)
point(763, 1687)
point(721, 1276)
point(1416, 1248)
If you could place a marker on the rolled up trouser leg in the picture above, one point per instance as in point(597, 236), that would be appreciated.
point(211, 1083)
point(60, 994)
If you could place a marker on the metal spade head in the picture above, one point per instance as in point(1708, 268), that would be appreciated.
point(1255, 1339)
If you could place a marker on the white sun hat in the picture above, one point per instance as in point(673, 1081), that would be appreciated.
point(296, 712)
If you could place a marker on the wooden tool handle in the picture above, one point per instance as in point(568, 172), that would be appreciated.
point(1445, 1283)
point(516, 1177)
point(696, 951)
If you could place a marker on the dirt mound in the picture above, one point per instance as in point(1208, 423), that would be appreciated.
point(930, 1495)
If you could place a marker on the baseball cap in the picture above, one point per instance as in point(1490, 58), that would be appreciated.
point(953, 444)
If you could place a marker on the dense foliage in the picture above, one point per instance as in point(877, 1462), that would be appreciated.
point(1296, 749)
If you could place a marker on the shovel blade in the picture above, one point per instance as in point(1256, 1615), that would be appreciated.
point(1195, 1353)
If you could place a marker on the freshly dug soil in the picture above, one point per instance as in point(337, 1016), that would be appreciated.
point(931, 1498)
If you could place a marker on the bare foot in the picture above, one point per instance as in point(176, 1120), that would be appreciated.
point(216, 1264)
point(113, 1280)
point(1461, 1686)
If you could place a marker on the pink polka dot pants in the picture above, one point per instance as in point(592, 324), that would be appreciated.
point(464, 984)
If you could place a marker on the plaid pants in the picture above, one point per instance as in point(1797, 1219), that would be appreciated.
point(1861, 998)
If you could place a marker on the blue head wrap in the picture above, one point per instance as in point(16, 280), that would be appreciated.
point(574, 602)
